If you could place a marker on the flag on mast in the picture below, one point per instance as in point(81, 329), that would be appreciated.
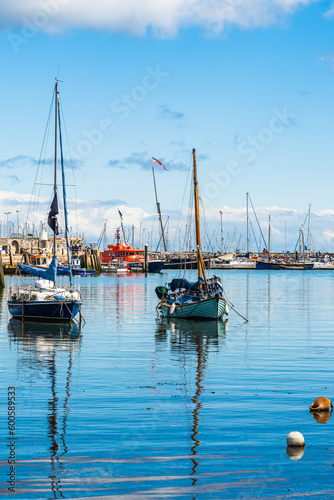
point(159, 163)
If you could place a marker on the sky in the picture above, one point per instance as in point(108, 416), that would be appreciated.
point(248, 84)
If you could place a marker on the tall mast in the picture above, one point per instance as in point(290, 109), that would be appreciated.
point(55, 164)
point(269, 239)
point(123, 232)
point(221, 232)
point(159, 212)
point(198, 234)
point(308, 231)
point(248, 246)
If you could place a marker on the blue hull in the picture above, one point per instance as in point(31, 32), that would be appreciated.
point(76, 271)
point(63, 271)
point(267, 265)
point(83, 272)
point(155, 267)
point(44, 310)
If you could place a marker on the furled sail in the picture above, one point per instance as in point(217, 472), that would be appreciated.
point(52, 216)
point(49, 273)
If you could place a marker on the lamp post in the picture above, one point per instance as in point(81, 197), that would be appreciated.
point(7, 213)
point(17, 223)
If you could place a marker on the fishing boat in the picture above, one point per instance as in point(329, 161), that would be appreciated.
point(122, 255)
point(77, 270)
point(45, 300)
point(203, 299)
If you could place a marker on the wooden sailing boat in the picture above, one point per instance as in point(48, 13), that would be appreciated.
point(44, 300)
point(203, 299)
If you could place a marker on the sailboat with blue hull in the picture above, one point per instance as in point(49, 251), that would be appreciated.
point(45, 300)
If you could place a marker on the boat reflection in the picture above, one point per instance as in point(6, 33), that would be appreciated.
point(44, 341)
point(38, 334)
point(184, 332)
point(198, 338)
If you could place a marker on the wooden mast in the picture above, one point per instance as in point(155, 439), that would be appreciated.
point(55, 166)
point(198, 233)
point(200, 262)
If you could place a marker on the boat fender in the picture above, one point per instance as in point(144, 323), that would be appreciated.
point(226, 310)
point(172, 309)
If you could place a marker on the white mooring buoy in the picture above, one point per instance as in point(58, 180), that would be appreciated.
point(295, 439)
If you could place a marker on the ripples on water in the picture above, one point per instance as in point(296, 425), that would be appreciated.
point(133, 406)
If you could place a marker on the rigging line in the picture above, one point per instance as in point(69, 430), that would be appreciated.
point(41, 162)
point(161, 234)
point(265, 244)
point(46, 133)
point(72, 165)
point(184, 194)
point(251, 225)
point(64, 198)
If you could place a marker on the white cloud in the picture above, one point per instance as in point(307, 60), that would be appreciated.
point(88, 217)
point(165, 17)
point(330, 12)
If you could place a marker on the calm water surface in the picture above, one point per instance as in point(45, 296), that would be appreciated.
point(137, 407)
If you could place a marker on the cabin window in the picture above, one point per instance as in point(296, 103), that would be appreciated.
point(116, 254)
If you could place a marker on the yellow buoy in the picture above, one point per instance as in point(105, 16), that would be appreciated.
point(321, 404)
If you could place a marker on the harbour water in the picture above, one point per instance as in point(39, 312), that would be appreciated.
point(137, 407)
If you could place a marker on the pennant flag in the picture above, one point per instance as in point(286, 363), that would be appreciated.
point(210, 206)
point(120, 213)
point(52, 216)
point(159, 163)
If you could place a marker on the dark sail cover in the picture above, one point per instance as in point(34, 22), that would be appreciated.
point(52, 217)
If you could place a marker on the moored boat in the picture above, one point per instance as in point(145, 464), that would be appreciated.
point(44, 300)
point(203, 299)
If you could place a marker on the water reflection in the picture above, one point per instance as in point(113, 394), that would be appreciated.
point(199, 338)
point(321, 416)
point(44, 341)
point(295, 452)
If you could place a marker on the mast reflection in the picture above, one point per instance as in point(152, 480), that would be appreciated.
point(193, 337)
point(44, 340)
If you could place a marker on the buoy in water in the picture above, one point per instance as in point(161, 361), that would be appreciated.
point(321, 404)
point(295, 439)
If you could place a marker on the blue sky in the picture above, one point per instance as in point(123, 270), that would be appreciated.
point(249, 84)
